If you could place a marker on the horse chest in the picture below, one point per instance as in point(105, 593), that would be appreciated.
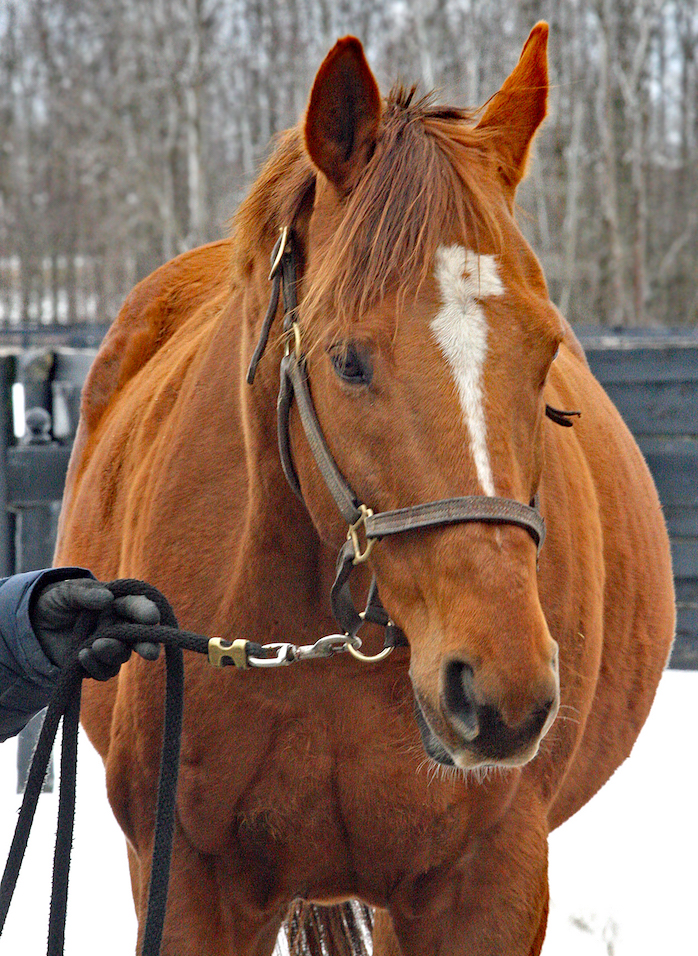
point(319, 808)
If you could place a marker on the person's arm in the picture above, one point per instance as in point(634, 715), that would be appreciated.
point(54, 609)
point(27, 675)
point(38, 611)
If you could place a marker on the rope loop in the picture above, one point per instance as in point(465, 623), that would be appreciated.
point(65, 703)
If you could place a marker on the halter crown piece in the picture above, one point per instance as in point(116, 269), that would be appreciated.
point(365, 527)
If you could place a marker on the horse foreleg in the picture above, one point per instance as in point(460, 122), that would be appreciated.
point(493, 902)
point(542, 927)
point(207, 915)
point(385, 941)
point(134, 872)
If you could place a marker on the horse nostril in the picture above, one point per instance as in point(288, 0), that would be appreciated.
point(555, 659)
point(540, 715)
point(460, 698)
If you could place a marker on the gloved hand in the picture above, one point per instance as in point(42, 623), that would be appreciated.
point(55, 610)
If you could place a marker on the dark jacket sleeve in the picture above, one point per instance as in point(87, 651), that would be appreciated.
point(27, 676)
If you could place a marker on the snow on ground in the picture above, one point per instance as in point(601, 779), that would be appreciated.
point(623, 871)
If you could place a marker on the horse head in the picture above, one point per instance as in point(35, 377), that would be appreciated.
point(428, 336)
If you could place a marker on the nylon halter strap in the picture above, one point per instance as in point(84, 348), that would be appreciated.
point(365, 527)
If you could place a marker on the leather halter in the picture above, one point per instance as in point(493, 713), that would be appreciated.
point(362, 521)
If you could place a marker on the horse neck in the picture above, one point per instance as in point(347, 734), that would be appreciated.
point(281, 556)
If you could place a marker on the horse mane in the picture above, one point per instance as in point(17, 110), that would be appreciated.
point(286, 182)
point(429, 176)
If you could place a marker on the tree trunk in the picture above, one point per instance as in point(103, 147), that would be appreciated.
point(570, 223)
point(616, 307)
point(192, 107)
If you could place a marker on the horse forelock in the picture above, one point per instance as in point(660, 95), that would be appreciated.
point(286, 181)
point(429, 180)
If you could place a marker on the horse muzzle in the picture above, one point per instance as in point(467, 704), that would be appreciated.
point(470, 729)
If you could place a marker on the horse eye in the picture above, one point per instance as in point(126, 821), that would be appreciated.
point(351, 363)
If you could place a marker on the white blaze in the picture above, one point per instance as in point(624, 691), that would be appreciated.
point(460, 326)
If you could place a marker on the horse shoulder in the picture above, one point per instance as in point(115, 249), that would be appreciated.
point(156, 308)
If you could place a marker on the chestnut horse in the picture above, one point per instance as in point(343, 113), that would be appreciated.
point(424, 785)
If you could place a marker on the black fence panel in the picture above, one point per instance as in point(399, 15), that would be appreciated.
point(7, 377)
point(653, 381)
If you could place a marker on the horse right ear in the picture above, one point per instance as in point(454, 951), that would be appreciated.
point(514, 113)
point(341, 122)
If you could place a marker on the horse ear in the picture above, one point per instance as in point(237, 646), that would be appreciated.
point(342, 118)
point(514, 113)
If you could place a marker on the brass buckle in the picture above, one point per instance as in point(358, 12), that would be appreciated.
point(353, 533)
point(220, 651)
point(297, 341)
point(279, 253)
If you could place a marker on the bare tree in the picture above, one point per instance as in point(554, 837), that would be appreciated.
point(131, 129)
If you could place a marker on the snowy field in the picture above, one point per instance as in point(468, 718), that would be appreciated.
point(623, 872)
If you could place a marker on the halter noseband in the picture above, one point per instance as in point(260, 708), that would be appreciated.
point(362, 521)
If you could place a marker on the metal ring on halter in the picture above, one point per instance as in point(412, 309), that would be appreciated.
point(369, 658)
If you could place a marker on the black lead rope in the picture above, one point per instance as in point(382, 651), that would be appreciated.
point(167, 793)
point(65, 703)
point(67, 690)
point(65, 824)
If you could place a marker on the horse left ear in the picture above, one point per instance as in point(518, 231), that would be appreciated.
point(517, 110)
point(341, 121)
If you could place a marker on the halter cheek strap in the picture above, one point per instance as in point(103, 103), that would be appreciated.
point(294, 384)
point(365, 527)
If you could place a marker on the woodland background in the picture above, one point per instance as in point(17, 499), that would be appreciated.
point(130, 129)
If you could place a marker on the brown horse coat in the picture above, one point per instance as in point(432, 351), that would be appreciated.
point(311, 782)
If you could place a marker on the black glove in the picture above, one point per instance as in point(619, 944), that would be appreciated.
point(56, 609)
